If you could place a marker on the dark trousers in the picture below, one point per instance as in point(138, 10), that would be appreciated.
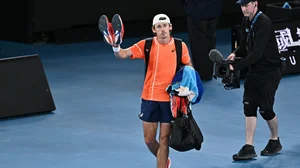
point(202, 38)
point(260, 90)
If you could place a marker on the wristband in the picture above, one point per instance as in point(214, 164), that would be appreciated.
point(116, 49)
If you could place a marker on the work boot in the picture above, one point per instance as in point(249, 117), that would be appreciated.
point(247, 152)
point(272, 148)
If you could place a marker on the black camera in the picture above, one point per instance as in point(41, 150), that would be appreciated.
point(230, 78)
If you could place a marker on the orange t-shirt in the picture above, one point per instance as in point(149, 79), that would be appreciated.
point(161, 67)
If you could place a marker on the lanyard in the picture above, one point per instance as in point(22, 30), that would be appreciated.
point(251, 27)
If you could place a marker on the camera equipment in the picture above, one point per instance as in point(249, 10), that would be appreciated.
point(282, 63)
point(230, 79)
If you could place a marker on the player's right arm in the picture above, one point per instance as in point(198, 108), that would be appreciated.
point(135, 51)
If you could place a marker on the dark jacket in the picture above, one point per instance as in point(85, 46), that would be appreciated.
point(202, 9)
point(260, 53)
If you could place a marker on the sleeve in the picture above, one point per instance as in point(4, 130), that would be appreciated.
point(185, 54)
point(138, 50)
point(261, 40)
point(240, 51)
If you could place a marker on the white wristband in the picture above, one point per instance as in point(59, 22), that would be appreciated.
point(116, 49)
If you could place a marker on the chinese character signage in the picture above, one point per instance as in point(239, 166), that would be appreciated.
point(284, 39)
point(288, 40)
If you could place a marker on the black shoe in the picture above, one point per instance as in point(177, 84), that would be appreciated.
point(272, 148)
point(247, 152)
point(118, 28)
point(106, 29)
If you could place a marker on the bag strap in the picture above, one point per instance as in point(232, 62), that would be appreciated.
point(147, 49)
point(178, 47)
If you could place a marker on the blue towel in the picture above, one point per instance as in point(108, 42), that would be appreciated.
point(187, 82)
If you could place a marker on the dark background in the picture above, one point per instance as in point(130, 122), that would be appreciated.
point(65, 21)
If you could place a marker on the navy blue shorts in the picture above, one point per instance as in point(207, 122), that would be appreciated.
point(154, 111)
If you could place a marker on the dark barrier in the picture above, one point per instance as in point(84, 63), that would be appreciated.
point(285, 16)
point(59, 20)
point(24, 88)
point(288, 39)
point(283, 11)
